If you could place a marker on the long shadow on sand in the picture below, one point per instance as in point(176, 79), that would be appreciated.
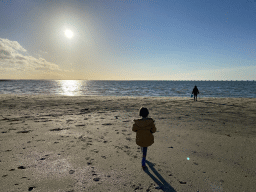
point(161, 182)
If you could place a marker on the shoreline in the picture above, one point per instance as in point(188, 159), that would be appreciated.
point(86, 143)
point(164, 97)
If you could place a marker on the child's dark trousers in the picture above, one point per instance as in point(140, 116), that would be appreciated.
point(144, 151)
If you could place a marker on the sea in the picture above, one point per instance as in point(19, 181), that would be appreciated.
point(223, 89)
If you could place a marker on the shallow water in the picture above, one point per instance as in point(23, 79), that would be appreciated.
point(236, 89)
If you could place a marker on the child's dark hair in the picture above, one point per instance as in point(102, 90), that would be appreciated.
point(143, 112)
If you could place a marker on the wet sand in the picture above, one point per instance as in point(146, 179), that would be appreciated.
point(56, 143)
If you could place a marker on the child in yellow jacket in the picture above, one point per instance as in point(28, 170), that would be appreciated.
point(144, 128)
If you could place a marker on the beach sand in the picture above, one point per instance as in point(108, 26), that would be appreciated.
point(57, 143)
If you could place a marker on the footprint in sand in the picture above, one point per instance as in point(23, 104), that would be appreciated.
point(59, 129)
point(137, 187)
point(90, 162)
point(128, 138)
point(31, 188)
point(107, 124)
point(24, 131)
point(127, 147)
point(80, 125)
point(95, 150)
point(83, 111)
point(96, 179)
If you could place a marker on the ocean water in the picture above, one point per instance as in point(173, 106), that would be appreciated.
point(235, 89)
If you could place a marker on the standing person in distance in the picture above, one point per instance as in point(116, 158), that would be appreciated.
point(144, 128)
point(195, 92)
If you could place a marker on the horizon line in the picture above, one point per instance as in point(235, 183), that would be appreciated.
point(110, 80)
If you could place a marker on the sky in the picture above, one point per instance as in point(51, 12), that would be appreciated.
point(128, 39)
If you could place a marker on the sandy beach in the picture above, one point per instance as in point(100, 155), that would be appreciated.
point(86, 143)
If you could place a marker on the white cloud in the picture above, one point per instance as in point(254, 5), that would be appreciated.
point(13, 57)
point(11, 46)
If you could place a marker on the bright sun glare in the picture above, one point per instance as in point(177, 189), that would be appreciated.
point(69, 34)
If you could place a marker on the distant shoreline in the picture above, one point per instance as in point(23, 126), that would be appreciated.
point(49, 96)
point(106, 80)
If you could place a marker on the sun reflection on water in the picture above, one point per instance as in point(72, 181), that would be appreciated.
point(70, 87)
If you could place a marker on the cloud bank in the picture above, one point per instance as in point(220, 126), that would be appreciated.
point(13, 57)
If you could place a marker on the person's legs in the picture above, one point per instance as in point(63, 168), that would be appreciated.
point(195, 97)
point(144, 156)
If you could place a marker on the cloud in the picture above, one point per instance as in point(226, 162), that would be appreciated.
point(14, 57)
point(11, 45)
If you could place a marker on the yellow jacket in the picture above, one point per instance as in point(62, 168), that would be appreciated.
point(144, 129)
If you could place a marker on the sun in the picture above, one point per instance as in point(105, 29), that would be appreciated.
point(69, 34)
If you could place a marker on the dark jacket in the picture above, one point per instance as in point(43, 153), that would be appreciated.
point(144, 129)
point(195, 91)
